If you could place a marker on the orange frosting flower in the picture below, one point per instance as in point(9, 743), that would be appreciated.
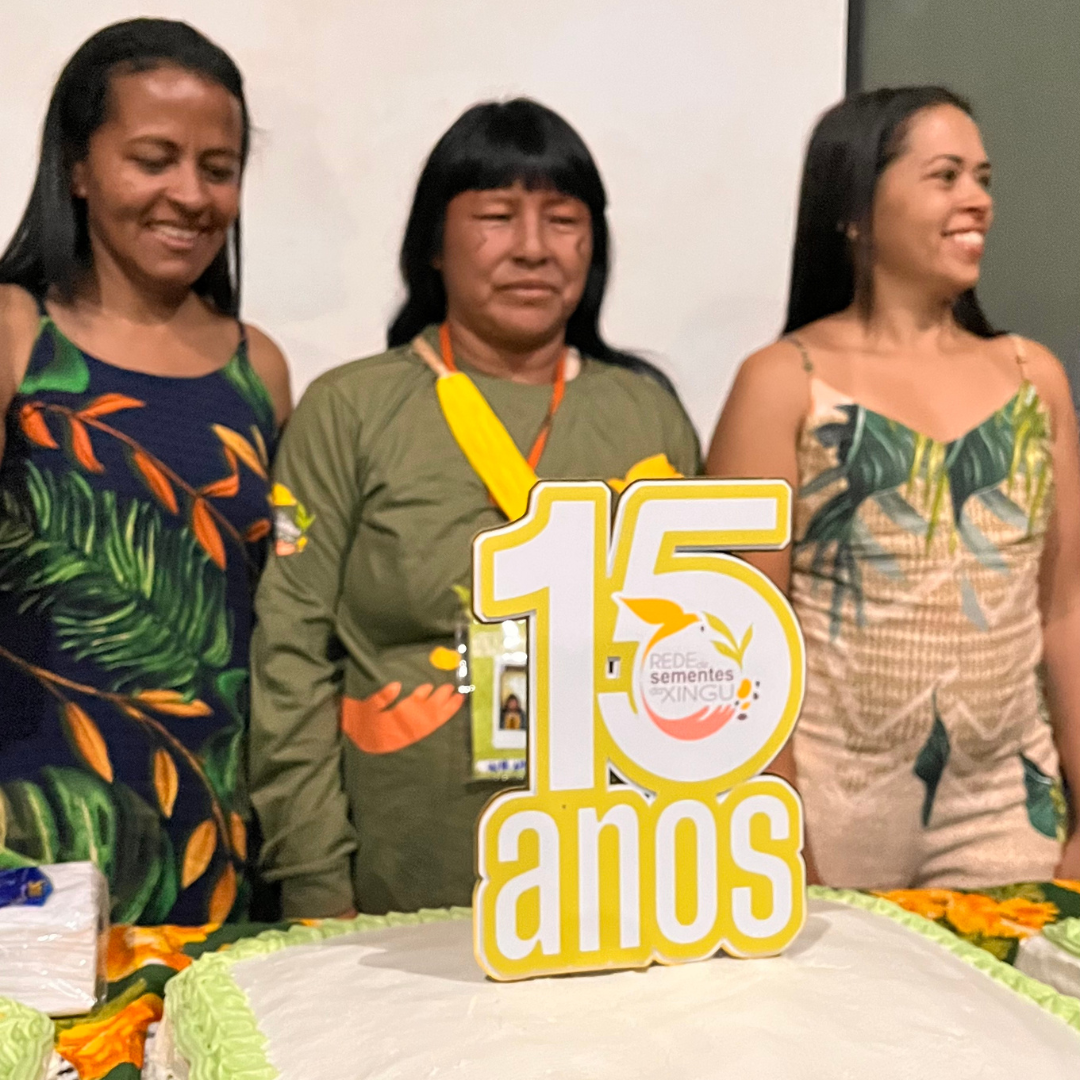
point(930, 903)
point(974, 914)
point(133, 947)
point(97, 1046)
point(1029, 913)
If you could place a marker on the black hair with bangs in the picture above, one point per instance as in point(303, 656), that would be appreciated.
point(853, 143)
point(51, 246)
point(493, 145)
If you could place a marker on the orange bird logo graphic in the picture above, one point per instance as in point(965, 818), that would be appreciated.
point(669, 619)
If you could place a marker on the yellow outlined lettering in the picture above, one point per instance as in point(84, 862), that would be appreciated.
point(665, 675)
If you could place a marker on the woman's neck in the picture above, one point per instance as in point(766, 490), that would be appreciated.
point(109, 290)
point(904, 315)
point(529, 364)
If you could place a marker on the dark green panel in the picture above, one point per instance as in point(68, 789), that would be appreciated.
point(1019, 63)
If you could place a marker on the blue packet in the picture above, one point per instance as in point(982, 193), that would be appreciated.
point(25, 885)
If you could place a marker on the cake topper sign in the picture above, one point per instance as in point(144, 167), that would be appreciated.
point(663, 677)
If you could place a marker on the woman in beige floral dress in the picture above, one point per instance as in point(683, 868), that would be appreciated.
point(936, 562)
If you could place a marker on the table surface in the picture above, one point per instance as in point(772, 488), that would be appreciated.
point(108, 1043)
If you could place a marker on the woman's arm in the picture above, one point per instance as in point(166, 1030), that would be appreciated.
point(757, 434)
point(1059, 588)
point(18, 329)
point(295, 747)
point(756, 438)
point(270, 365)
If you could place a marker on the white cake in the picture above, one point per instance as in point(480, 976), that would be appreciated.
point(867, 990)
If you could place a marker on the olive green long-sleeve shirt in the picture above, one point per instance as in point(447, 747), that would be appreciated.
point(376, 508)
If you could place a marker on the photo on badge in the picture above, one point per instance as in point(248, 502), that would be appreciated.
point(497, 664)
point(510, 704)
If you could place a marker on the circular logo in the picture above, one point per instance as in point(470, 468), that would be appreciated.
point(717, 677)
point(692, 676)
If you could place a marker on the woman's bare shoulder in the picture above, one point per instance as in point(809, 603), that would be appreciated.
point(271, 366)
point(18, 313)
point(1046, 373)
point(775, 374)
point(19, 320)
point(17, 303)
point(759, 424)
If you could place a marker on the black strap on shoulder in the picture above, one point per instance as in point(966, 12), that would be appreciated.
point(807, 363)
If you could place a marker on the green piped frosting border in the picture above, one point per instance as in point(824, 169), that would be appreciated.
point(26, 1041)
point(1062, 1006)
point(1065, 935)
point(212, 1022)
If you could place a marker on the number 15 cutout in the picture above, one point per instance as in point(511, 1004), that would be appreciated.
point(663, 676)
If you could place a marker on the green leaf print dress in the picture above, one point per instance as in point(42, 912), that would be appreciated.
point(134, 511)
point(924, 751)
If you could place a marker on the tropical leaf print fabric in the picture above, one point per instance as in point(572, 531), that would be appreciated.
point(133, 510)
point(924, 487)
point(915, 579)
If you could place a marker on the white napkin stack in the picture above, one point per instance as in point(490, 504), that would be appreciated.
point(52, 957)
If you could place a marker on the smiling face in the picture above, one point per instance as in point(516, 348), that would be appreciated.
point(514, 263)
point(161, 177)
point(932, 207)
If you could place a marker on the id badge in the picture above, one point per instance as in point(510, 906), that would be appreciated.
point(495, 674)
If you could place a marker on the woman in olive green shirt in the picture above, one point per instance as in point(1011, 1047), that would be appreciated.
point(360, 742)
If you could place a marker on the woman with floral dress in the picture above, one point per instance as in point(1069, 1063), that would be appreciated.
point(141, 416)
point(936, 562)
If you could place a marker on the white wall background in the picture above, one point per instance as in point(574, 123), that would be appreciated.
point(696, 110)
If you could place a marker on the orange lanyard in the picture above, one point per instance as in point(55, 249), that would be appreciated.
point(558, 388)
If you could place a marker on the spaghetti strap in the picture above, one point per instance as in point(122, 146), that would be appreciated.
point(243, 350)
point(41, 351)
point(1021, 355)
point(807, 363)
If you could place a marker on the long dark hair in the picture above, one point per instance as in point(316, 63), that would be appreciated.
point(852, 145)
point(51, 246)
point(493, 145)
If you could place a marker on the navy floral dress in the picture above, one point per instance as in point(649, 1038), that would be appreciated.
point(133, 517)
